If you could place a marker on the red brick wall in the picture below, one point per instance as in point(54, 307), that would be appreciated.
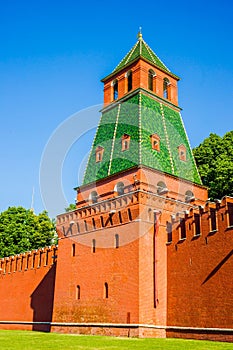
point(26, 293)
point(200, 287)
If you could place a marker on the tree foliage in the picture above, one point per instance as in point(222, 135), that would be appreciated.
point(214, 158)
point(71, 207)
point(21, 230)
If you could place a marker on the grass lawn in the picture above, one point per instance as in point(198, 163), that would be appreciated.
point(25, 340)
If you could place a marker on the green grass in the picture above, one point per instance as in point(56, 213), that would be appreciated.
point(26, 340)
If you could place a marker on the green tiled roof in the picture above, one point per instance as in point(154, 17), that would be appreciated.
point(140, 117)
point(141, 50)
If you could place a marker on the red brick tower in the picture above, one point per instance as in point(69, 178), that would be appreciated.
point(140, 178)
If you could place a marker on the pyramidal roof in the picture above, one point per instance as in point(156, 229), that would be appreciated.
point(140, 117)
point(141, 50)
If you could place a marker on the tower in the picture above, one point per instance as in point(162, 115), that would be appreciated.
point(140, 179)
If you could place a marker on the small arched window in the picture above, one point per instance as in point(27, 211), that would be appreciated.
point(182, 152)
point(125, 141)
point(129, 81)
point(93, 197)
point(161, 188)
point(99, 152)
point(155, 142)
point(189, 196)
point(116, 241)
point(106, 290)
point(115, 90)
point(151, 75)
point(165, 87)
point(119, 188)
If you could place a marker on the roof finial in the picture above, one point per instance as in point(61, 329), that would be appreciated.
point(140, 33)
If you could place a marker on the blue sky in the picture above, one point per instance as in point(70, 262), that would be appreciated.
point(54, 53)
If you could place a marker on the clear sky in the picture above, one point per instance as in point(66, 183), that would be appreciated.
point(54, 53)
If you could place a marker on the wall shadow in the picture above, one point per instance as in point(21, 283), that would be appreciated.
point(42, 301)
point(215, 270)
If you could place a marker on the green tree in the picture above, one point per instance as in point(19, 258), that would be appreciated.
point(71, 207)
point(214, 158)
point(22, 230)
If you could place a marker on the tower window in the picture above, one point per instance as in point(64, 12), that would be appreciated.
point(129, 81)
point(115, 90)
point(189, 197)
point(161, 188)
point(151, 75)
point(125, 141)
point(99, 152)
point(182, 153)
point(166, 83)
point(155, 142)
point(119, 188)
point(93, 197)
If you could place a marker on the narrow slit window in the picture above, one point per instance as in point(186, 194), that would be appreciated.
point(130, 215)
point(106, 290)
point(116, 241)
point(78, 292)
point(73, 249)
point(93, 246)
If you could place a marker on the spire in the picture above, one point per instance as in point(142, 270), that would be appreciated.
point(141, 50)
point(140, 34)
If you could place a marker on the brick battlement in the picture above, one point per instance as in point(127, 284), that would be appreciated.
point(116, 211)
point(30, 260)
point(201, 221)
